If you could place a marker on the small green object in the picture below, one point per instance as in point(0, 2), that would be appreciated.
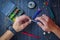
point(12, 15)
point(15, 13)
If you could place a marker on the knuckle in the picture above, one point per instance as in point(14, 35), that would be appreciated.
point(46, 28)
point(46, 23)
point(24, 15)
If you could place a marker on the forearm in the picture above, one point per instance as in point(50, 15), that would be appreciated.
point(7, 35)
point(56, 31)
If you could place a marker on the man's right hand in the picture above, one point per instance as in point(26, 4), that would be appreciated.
point(48, 25)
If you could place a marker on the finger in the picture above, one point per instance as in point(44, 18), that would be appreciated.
point(41, 19)
point(40, 24)
point(26, 23)
point(24, 17)
point(45, 17)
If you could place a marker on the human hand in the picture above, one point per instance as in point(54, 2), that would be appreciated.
point(21, 22)
point(47, 24)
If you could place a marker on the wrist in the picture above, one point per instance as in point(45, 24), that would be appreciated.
point(55, 29)
point(10, 32)
point(11, 29)
point(16, 29)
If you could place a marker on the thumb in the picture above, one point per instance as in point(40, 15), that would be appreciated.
point(26, 23)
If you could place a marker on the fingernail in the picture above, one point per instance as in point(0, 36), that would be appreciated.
point(44, 15)
point(36, 18)
point(38, 22)
point(30, 20)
